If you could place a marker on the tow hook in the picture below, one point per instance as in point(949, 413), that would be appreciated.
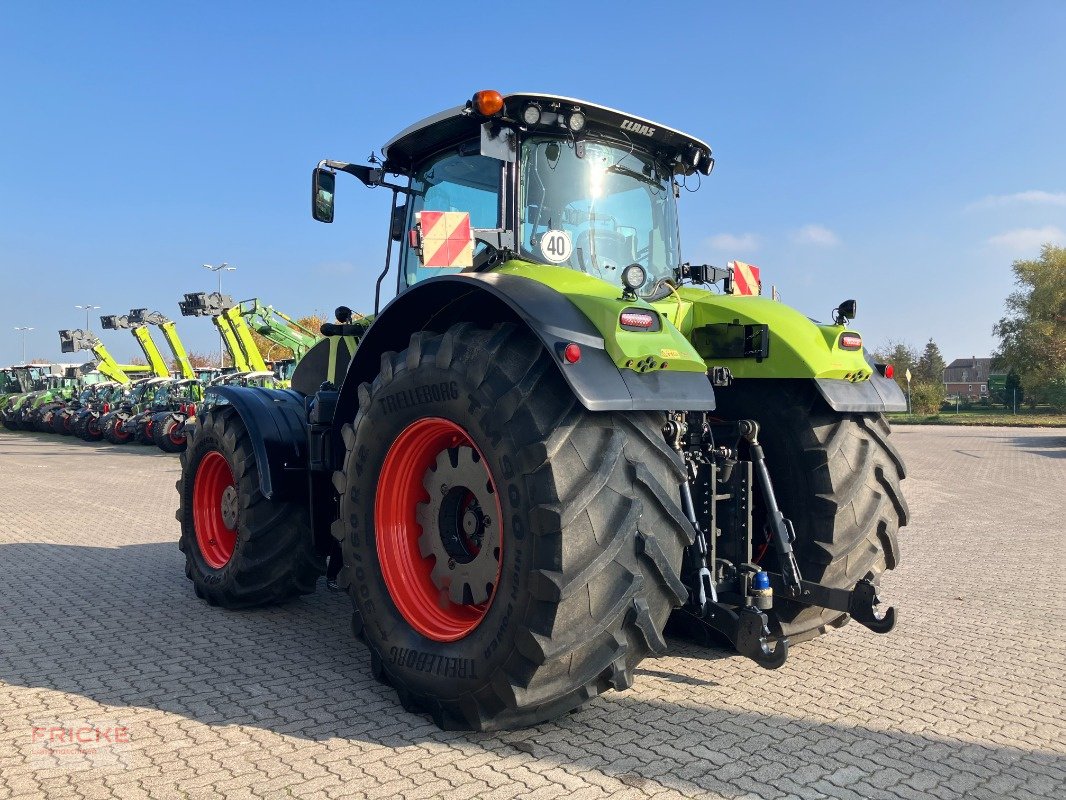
point(749, 631)
point(746, 628)
point(861, 602)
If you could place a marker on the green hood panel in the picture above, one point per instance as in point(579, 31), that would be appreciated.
point(799, 347)
point(602, 303)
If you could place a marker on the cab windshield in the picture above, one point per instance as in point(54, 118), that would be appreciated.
point(599, 212)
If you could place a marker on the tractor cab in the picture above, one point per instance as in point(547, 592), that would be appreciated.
point(541, 178)
point(9, 384)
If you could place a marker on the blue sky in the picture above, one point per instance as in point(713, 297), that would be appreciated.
point(900, 153)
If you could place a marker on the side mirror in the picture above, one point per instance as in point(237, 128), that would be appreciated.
point(323, 183)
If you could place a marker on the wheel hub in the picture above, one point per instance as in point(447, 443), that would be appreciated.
point(454, 526)
point(229, 507)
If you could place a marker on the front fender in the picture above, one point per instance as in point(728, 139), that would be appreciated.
point(276, 422)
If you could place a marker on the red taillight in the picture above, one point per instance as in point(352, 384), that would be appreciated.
point(107, 407)
point(637, 319)
point(572, 353)
point(889, 370)
point(850, 341)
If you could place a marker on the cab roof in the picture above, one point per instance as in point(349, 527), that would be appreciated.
point(459, 124)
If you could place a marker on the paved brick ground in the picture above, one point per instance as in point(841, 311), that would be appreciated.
point(100, 630)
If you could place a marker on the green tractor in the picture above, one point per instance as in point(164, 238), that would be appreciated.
point(558, 439)
point(9, 384)
point(34, 382)
point(61, 388)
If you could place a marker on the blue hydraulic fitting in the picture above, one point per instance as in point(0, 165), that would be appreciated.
point(762, 593)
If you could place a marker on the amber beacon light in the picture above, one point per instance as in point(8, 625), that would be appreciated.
point(488, 102)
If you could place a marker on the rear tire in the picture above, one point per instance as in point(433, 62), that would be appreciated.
point(241, 549)
point(837, 477)
point(590, 544)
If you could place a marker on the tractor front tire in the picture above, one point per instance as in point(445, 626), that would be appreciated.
point(61, 423)
point(837, 478)
point(90, 429)
point(510, 555)
point(144, 431)
point(168, 433)
point(241, 549)
point(114, 431)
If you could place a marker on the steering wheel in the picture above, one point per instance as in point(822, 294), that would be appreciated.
point(611, 246)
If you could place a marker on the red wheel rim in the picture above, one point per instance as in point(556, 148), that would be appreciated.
point(408, 574)
point(214, 509)
point(119, 430)
point(176, 434)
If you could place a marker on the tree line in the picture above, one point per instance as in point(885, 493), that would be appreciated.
point(1032, 334)
point(927, 372)
point(1032, 343)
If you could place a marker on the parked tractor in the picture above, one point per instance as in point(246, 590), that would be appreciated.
point(61, 388)
point(133, 402)
point(93, 385)
point(9, 384)
point(85, 423)
point(32, 379)
point(559, 436)
point(163, 423)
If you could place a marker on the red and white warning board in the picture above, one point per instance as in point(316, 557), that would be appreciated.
point(446, 237)
point(745, 278)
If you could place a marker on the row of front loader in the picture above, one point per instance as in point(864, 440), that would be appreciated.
point(149, 403)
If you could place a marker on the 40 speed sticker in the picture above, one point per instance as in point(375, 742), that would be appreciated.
point(556, 247)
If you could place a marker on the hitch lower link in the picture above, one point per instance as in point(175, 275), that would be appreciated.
point(747, 627)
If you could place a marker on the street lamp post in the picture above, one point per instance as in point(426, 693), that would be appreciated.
point(223, 267)
point(87, 309)
point(24, 330)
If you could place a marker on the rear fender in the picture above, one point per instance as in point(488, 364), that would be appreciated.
point(491, 298)
point(277, 428)
point(878, 394)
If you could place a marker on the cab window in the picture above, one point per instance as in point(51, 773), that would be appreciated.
point(452, 182)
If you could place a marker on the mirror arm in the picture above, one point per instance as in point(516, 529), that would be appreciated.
point(369, 176)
